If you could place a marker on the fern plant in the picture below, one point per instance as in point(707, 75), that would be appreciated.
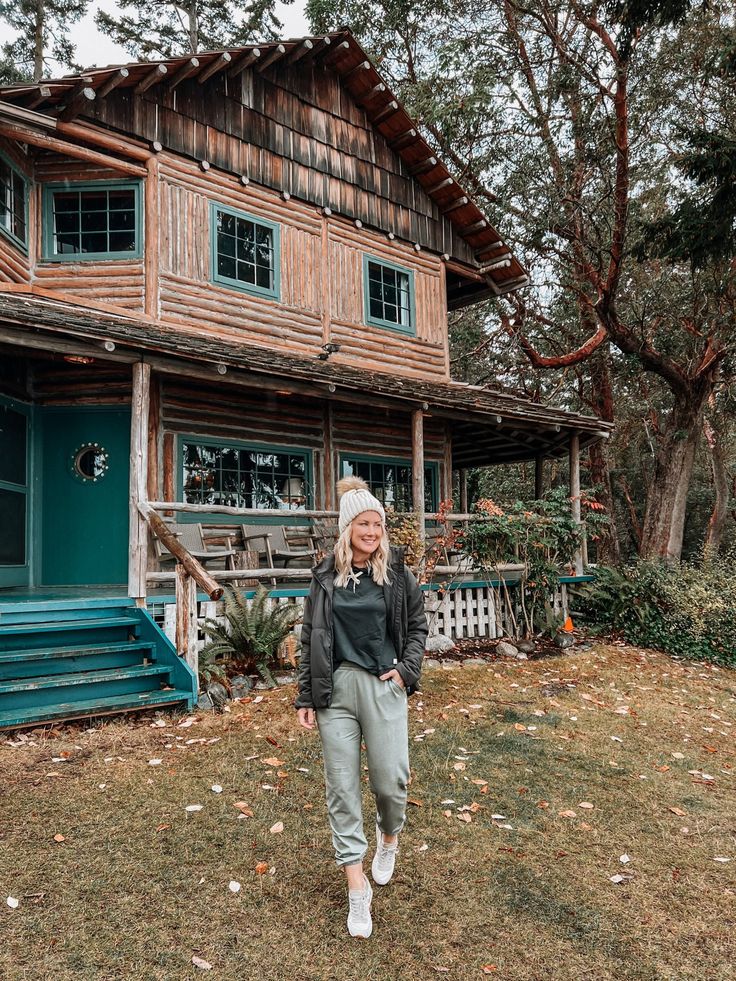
point(252, 632)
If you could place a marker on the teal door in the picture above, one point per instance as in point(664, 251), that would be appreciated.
point(84, 494)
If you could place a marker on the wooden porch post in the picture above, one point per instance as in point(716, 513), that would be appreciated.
point(417, 468)
point(575, 494)
point(138, 545)
point(538, 477)
point(186, 618)
point(463, 490)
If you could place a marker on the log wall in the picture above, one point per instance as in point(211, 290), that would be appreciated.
point(15, 264)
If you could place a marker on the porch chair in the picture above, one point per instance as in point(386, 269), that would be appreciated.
point(281, 546)
point(191, 537)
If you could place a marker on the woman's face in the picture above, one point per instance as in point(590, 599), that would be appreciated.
point(366, 531)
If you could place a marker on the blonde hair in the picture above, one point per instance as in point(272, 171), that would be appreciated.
point(378, 562)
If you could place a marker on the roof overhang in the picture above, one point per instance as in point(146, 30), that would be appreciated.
point(487, 426)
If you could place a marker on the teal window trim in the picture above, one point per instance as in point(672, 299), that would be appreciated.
point(22, 243)
point(16, 574)
point(371, 321)
point(225, 519)
point(47, 243)
point(232, 282)
point(431, 467)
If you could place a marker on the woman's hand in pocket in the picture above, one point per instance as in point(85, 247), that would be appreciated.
point(393, 675)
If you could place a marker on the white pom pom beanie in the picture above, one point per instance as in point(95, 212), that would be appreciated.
point(356, 498)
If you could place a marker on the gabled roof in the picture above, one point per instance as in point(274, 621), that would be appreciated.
point(66, 97)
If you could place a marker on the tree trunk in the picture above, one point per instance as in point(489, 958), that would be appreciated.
point(193, 28)
point(38, 41)
point(664, 520)
point(717, 520)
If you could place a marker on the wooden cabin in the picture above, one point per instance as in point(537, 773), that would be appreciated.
point(224, 283)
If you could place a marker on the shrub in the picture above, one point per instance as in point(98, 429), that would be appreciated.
point(252, 633)
point(687, 610)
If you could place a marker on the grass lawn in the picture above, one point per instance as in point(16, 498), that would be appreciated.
point(588, 757)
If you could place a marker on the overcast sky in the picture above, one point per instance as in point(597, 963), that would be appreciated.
point(94, 48)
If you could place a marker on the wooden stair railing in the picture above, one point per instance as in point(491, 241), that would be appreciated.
point(189, 574)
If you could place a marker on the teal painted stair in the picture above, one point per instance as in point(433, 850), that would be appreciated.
point(79, 659)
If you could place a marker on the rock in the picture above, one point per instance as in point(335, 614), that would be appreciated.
point(240, 685)
point(218, 694)
point(439, 644)
point(506, 650)
point(527, 646)
point(564, 640)
point(205, 703)
point(472, 662)
point(431, 662)
point(285, 679)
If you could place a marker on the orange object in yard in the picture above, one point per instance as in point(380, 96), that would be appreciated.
point(568, 625)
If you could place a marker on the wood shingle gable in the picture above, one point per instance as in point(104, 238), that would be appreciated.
point(310, 117)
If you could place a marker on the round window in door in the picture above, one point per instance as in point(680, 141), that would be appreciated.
point(90, 462)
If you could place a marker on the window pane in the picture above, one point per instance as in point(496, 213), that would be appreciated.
point(226, 244)
point(121, 199)
point(12, 528)
point(263, 277)
point(122, 242)
point(94, 201)
point(246, 272)
point(94, 242)
point(66, 201)
point(12, 446)
point(226, 266)
point(94, 221)
point(121, 220)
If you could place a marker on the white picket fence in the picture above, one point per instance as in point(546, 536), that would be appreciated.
point(463, 612)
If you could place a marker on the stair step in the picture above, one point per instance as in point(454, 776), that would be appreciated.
point(61, 626)
point(82, 678)
point(62, 651)
point(90, 708)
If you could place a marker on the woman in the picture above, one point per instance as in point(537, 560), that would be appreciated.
point(362, 648)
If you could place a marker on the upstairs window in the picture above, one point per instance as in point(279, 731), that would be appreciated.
point(13, 204)
point(245, 252)
point(388, 295)
point(92, 221)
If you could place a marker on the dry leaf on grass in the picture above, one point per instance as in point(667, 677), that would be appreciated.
point(488, 968)
point(163, 827)
point(459, 766)
point(416, 803)
point(12, 902)
point(567, 814)
point(679, 812)
point(193, 807)
point(202, 964)
point(273, 761)
point(586, 804)
point(59, 838)
point(233, 886)
point(216, 788)
point(262, 868)
point(277, 828)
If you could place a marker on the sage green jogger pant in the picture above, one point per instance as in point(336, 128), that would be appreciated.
point(364, 708)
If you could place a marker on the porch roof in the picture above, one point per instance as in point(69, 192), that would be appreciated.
point(488, 425)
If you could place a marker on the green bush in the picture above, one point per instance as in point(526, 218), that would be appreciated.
point(687, 610)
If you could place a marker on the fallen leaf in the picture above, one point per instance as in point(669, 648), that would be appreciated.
point(624, 859)
point(567, 814)
point(498, 817)
point(618, 878)
point(488, 968)
point(448, 814)
point(679, 812)
point(586, 804)
point(678, 756)
point(233, 886)
point(519, 727)
point(273, 761)
point(163, 827)
point(721, 858)
point(262, 868)
point(274, 742)
point(193, 807)
point(416, 803)
point(12, 902)
point(155, 762)
point(59, 838)
point(543, 804)
point(203, 965)
point(479, 782)
point(277, 828)
point(459, 766)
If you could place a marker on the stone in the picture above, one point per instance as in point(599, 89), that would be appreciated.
point(285, 679)
point(564, 640)
point(205, 703)
point(439, 644)
point(240, 686)
point(506, 650)
point(527, 646)
point(472, 662)
point(218, 693)
point(431, 662)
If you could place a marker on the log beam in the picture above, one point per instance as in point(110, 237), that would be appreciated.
point(216, 65)
point(54, 145)
point(574, 455)
point(417, 468)
point(193, 568)
point(247, 59)
point(155, 75)
point(186, 619)
point(138, 544)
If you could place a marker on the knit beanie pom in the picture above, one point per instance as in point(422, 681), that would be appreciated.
point(355, 498)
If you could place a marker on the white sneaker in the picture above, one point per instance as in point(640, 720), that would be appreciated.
point(360, 923)
point(384, 860)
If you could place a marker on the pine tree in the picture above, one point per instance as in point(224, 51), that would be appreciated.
point(151, 29)
point(43, 34)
